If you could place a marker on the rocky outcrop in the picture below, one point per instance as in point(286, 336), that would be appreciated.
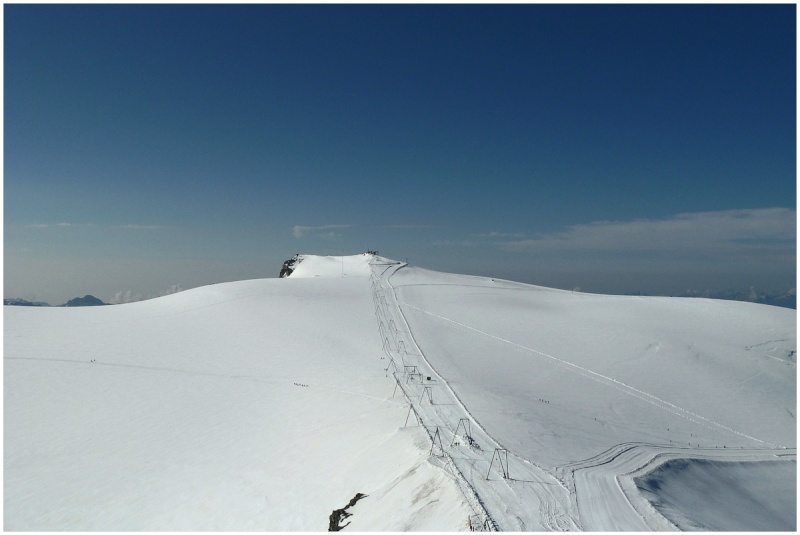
point(340, 514)
point(289, 265)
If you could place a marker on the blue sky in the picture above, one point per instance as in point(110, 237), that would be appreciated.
point(612, 148)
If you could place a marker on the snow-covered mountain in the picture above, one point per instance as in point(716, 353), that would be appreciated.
point(450, 401)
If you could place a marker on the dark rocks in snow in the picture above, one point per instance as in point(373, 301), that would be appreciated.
point(289, 265)
point(340, 514)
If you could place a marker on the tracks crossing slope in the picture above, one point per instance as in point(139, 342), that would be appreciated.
point(596, 493)
point(514, 493)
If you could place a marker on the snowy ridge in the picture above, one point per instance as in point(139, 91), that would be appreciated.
point(331, 266)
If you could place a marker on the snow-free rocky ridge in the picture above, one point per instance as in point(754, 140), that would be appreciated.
point(451, 402)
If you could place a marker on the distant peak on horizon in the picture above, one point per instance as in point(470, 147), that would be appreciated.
point(85, 301)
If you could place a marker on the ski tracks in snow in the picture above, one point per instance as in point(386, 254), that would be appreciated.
point(515, 494)
point(604, 379)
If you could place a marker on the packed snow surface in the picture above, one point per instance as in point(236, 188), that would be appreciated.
point(446, 399)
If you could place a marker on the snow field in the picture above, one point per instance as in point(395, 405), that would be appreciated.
point(265, 405)
point(255, 405)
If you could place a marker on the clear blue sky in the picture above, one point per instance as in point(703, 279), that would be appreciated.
point(615, 148)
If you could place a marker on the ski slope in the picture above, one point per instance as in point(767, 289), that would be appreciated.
point(446, 399)
point(591, 389)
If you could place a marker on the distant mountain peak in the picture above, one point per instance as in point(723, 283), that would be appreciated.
point(85, 301)
point(16, 301)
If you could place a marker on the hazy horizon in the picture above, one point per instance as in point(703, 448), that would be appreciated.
point(659, 284)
